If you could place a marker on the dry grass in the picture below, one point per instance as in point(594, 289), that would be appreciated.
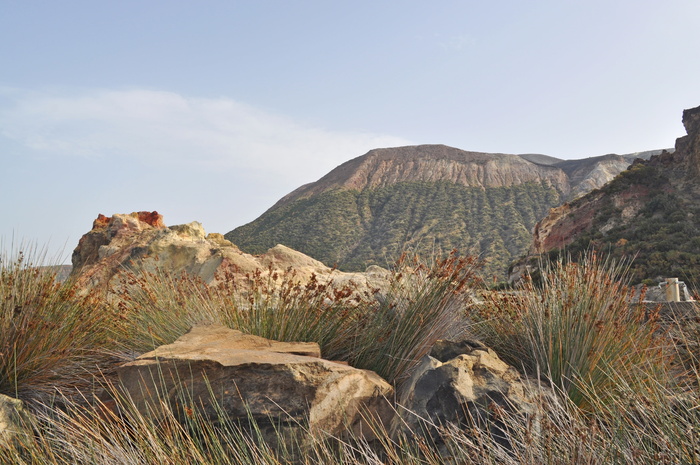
point(51, 339)
point(611, 402)
point(577, 328)
point(387, 332)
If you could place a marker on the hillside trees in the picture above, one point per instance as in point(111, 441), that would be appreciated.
point(355, 229)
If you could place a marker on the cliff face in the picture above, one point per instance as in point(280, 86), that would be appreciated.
point(141, 241)
point(649, 211)
point(689, 145)
point(592, 173)
point(426, 199)
point(432, 163)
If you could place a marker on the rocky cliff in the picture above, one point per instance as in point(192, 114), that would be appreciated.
point(432, 163)
point(141, 240)
point(649, 212)
point(427, 199)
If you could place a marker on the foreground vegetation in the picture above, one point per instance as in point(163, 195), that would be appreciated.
point(610, 384)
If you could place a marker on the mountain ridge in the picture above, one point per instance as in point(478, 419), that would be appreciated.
point(429, 163)
point(426, 199)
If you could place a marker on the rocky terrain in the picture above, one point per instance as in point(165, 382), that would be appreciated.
point(427, 199)
point(142, 240)
point(87, 390)
point(649, 212)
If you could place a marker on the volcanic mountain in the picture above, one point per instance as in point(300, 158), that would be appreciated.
point(427, 199)
point(650, 212)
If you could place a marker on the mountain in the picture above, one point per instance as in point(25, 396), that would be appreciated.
point(650, 212)
point(427, 199)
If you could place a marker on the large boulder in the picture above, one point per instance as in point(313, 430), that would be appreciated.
point(141, 241)
point(462, 384)
point(284, 387)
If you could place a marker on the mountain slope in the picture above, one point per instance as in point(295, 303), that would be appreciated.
point(651, 212)
point(430, 163)
point(428, 199)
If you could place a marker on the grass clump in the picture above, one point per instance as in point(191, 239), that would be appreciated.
point(423, 303)
point(157, 307)
point(576, 327)
point(661, 429)
point(606, 395)
point(50, 338)
point(387, 332)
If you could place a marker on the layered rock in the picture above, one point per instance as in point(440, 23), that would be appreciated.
point(649, 211)
point(431, 163)
point(141, 240)
point(592, 173)
point(284, 387)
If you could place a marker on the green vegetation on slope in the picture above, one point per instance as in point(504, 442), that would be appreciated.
point(353, 230)
point(662, 237)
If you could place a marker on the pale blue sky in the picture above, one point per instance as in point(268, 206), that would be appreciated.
point(212, 110)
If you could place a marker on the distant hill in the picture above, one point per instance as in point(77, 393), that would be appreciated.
point(427, 199)
point(650, 212)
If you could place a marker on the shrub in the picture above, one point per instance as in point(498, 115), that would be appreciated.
point(578, 327)
point(423, 304)
point(50, 338)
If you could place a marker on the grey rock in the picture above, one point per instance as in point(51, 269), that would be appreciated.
point(465, 390)
point(15, 420)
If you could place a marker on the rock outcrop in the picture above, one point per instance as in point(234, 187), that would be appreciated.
point(462, 384)
point(283, 387)
point(592, 173)
point(142, 241)
point(15, 420)
point(649, 212)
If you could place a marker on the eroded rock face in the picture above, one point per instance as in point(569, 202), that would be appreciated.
point(460, 383)
point(690, 143)
point(282, 386)
point(618, 205)
point(141, 240)
point(430, 163)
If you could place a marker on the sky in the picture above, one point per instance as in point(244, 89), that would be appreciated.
point(211, 111)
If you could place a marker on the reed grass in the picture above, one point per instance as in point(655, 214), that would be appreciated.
point(655, 427)
point(50, 338)
point(424, 303)
point(576, 327)
point(385, 332)
point(613, 399)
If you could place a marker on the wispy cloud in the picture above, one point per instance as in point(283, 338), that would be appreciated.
point(456, 42)
point(156, 127)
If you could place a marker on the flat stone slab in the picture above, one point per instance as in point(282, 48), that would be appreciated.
point(284, 386)
point(230, 347)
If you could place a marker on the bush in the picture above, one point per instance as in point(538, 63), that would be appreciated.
point(577, 328)
point(50, 338)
